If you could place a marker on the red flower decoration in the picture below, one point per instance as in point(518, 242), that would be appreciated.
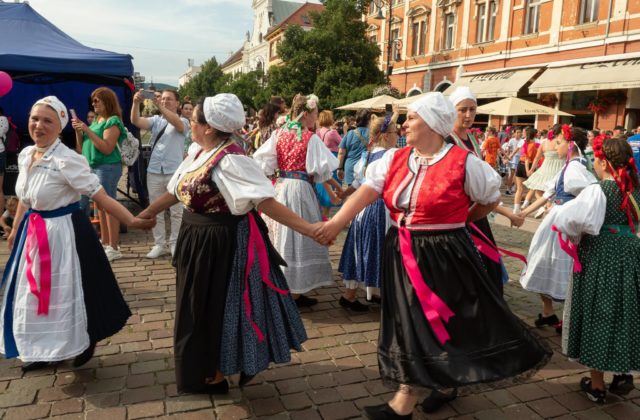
point(566, 132)
point(597, 146)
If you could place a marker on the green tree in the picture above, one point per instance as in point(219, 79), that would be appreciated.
point(206, 83)
point(331, 59)
point(247, 87)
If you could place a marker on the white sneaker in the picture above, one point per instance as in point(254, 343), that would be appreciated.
point(157, 251)
point(112, 254)
point(539, 213)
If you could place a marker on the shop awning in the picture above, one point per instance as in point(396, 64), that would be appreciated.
point(495, 85)
point(619, 74)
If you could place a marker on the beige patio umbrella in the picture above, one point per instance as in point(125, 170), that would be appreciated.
point(511, 106)
point(375, 104)
point(405, 102)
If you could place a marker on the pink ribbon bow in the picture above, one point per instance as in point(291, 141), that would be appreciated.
point(37, 237)
point(490, 250)
point(570, 248)
point(434, 308)
point(255, 238)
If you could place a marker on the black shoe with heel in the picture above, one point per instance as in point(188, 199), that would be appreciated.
point(437, 399)
point(29, 366)
point(384, 412)
point(622, 384)
point(304, 302)
point(596, 395)
point(551, 320)
point(355, 306)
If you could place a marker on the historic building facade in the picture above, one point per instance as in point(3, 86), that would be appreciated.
point(580, 56)
point(270, 18)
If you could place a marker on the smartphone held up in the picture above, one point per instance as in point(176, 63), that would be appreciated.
point(147, 94)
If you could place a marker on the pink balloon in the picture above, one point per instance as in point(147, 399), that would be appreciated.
point(5, 83)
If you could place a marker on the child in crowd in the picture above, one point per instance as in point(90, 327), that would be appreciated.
point(490, 147)
point(602, 326)
point(6, 220)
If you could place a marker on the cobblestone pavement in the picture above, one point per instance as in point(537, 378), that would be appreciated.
point(131, 375)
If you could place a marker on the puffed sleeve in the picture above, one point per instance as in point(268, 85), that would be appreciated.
point(584, 214)
point(577, 177)
point(320, 161)
point(550, 187)
point(482, 182)
point(173, 182)
point(242, 183)
point(377, 171)
point(358, 175)
point(267, 156)
point(76, 171)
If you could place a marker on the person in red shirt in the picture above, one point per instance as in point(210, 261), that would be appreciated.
point(490, 147)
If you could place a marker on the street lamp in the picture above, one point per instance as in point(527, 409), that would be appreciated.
point(379, 4)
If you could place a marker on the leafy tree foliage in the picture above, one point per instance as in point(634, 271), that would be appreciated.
point(247, 87)
point(331, 60)
point(206, 83)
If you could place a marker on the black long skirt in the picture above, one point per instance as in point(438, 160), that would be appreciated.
point(494, 269)
point(107, 311)
point(488, 343)
point(203, 259)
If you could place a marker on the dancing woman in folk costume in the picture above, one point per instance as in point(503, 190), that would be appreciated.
point(549, 268)
point(60, 296)
point(299, 158)
point(603, 328)
point(362, 251)
point(234, 313)
point(444, 323)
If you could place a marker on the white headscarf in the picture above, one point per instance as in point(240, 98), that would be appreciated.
point(436, 111)
point(224, 112)
point(460, 94)
point(58, 106)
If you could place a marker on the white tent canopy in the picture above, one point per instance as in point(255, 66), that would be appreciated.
point(515, 106)
point(375, 104)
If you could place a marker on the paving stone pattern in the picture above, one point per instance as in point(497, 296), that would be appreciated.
point(131, 375)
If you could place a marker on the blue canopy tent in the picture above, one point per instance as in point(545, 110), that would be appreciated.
point(42, 60)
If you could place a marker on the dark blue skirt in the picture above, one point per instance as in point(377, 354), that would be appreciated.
point(362, 251)
point(275, 314)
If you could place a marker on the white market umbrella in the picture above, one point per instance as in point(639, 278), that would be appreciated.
point(375, 104)
point(405, 102)
point(512, 106)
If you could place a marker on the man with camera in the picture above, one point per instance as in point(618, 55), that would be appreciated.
point(168, 134)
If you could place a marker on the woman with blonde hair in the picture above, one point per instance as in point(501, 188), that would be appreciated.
point(99, 144)
point(360, 263)
point(300, 158)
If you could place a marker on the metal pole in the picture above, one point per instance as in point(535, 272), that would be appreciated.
point(387, 72)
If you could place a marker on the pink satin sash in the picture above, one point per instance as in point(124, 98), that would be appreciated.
point(490, 250)
point(435, 309)
point(255, 238)
point(570, 248)
point(37, 238)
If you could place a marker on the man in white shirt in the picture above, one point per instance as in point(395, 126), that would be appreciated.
point(168, 135)
point(515, 144)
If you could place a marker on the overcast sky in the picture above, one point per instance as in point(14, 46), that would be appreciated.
point(160, 34)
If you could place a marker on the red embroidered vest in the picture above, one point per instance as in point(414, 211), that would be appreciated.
point(196, 189)
point(291, 152)
point(438, 200)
